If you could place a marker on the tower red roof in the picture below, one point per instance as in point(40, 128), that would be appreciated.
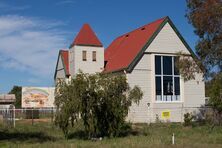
point(86, 37)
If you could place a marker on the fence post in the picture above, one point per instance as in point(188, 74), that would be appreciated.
point(173, 139)
point(52, 113)
point(14, 116)
point(32, 116)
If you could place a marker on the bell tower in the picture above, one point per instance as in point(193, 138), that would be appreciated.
point(86, 53)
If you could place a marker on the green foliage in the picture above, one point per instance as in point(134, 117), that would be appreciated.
point(17, 90)
point(188, 66)
point(188, 117)
point(68, 107)
point(215, 94)
point(206, 18)
point(102, 101)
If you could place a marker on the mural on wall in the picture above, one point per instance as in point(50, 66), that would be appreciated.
point(38, 97)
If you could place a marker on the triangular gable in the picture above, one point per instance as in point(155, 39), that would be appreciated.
point(166, 20)
point(62, 63)
point(126, 51)
point(86, 37)
point(167, 41)
point(65, 59)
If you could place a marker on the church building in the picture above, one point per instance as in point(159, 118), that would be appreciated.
point(146, 56)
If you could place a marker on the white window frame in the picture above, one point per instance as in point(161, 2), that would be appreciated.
point(162, 75)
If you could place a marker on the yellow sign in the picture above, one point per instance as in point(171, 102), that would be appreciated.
point(165, 114)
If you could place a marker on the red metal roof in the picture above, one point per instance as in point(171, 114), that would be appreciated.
point(65, 58)
point(122, 51)
point(87, 37)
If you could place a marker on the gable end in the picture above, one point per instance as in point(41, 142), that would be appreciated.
point(141, 53)
point(64, 68)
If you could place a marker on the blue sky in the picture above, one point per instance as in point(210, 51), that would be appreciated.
point(32, 31)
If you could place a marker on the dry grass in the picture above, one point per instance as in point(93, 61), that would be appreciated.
point(43, 134)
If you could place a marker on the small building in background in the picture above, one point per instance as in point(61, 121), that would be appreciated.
point(6, 103)
point(6, 100)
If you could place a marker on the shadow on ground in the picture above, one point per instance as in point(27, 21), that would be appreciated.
point(25, 136)
point(80, 134)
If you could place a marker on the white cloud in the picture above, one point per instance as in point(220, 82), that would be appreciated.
point(66, 2)
point(30, 45)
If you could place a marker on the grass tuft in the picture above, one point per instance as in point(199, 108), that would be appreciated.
point(44, 134)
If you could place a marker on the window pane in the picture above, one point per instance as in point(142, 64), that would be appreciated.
point(84, 55)
point(158, 89)
point(167, 85)
point(158, 85)
point(167, 65)
point(177, 85)
point(158, 65)
point(176, 70)
point(94, 56)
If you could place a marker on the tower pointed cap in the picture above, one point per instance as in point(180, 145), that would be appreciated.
point(86, 37)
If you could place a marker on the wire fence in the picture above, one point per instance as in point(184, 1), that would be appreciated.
point(9, 116)
point(148, 115)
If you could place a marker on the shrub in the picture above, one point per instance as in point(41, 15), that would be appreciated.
point(215, 94)
point(188, 117)
point(102, 100)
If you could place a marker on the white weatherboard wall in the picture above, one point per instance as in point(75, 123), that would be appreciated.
point(71, 61)
point(192, 92)
point(141, 76)
point(175, 108)
point(167, 41)
point(60, 69)
point(88, 66)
